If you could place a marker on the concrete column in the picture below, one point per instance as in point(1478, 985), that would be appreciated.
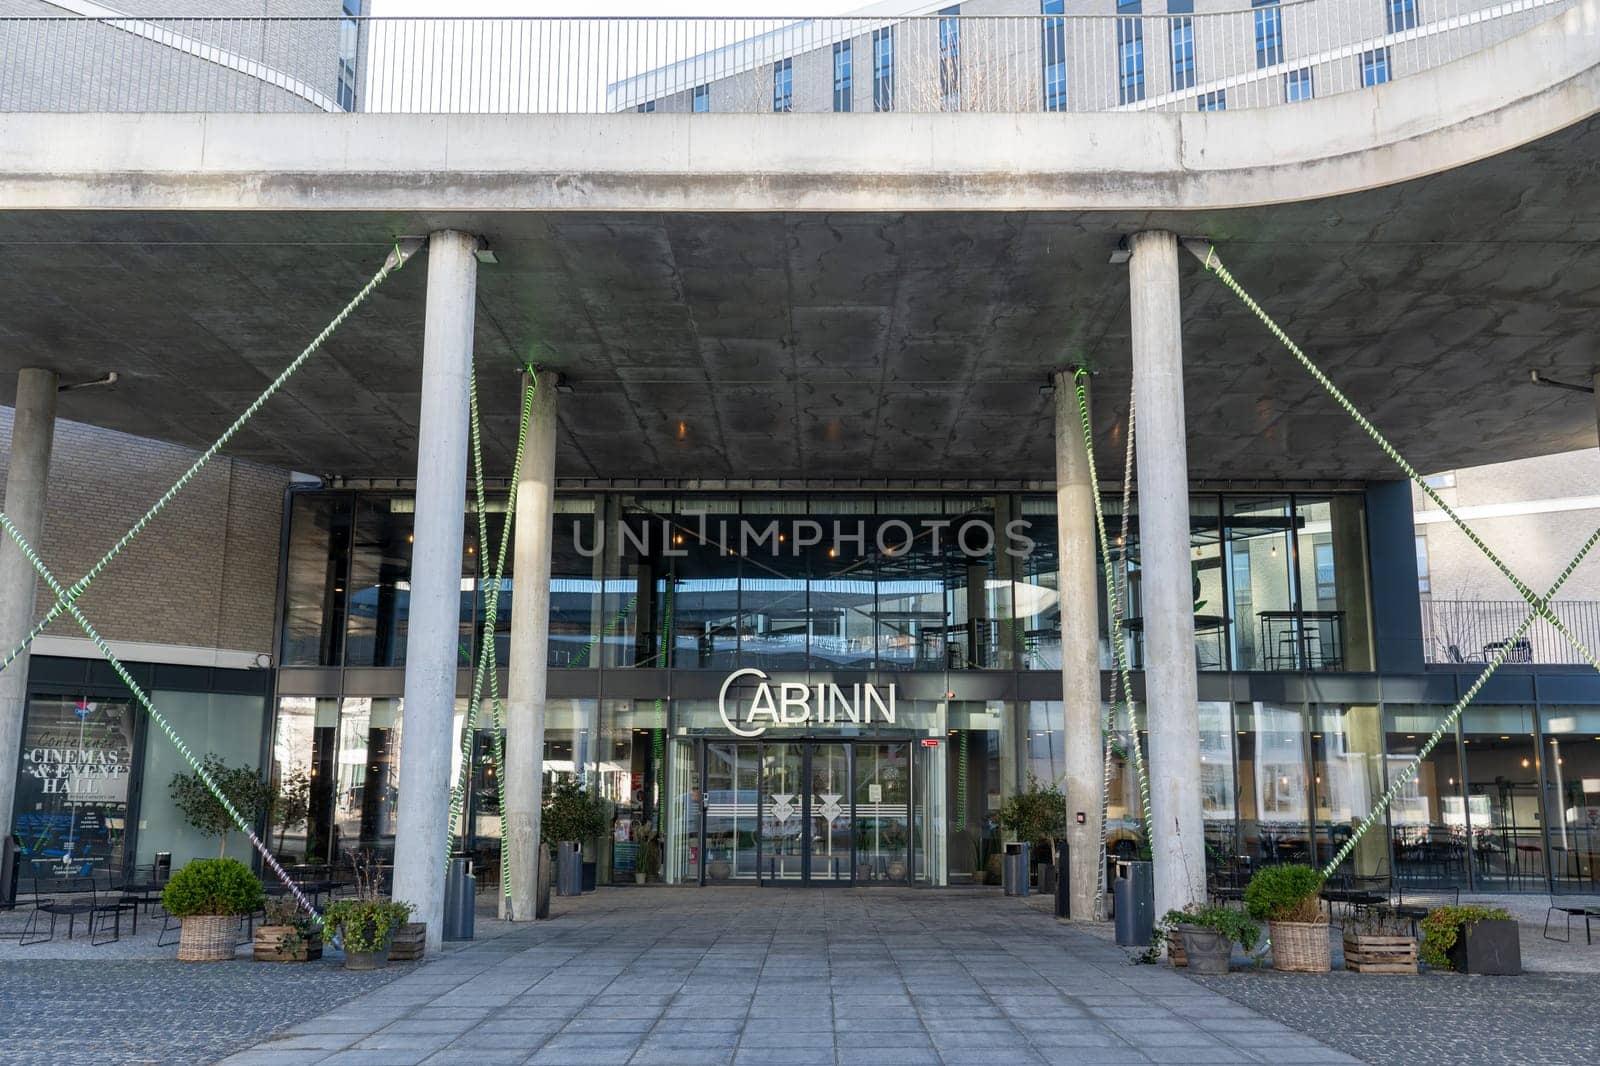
point(32, 432)
point(530, 638)
point(1594, 383)
point(1171, 700)
point(433, 635)
point(1080, 650)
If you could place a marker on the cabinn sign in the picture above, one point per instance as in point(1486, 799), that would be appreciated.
point(791, 703)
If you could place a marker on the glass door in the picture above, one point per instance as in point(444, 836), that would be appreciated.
point(828, 813)
point(784, 797)
point(883, 808)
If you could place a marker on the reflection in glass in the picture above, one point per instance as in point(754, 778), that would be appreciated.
point(1572, 790)
point(829, 830)
point(379, 585)
point(882, 797)
point(1503, 794)
point(1217, 791)
point(316, 572)
point(733, 785)
point(1274, 819)
point(1347, 777)
point(1036, 601)
point(1428, 819)
point(1260, 552)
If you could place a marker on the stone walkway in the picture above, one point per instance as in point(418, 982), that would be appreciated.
point(790, 978)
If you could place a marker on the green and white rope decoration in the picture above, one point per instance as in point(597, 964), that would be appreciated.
point(1540, 605)
point(397, 259)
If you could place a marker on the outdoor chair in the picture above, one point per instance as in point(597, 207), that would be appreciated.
point(1570, 907)
point(1415, 906)
point(69, 897)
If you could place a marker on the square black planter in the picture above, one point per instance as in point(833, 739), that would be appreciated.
point(1488, 947)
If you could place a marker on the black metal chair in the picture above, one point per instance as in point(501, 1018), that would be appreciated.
point(1586, 907)
point(1415, 906)
point(59, 896)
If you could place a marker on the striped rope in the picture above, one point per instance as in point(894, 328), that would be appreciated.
point(67, 597)
point(1540, 605)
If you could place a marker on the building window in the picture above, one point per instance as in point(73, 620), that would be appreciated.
point(1130, 53)
point(1217, 101)
point(702, 98)
point(1182, 33)
point(1375, 66)
point(646, 107)
point(843, 76)
point(349, 48)
point(1053, 50)
point(1297, 85)
point(950, 58)
point(1423, 584)
point(1402, 15)
point(1269, 33)
point(883, 69)
point(1446, 480)
point(783, 85)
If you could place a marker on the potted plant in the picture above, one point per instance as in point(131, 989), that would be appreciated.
point(287, 934)
point(1288, 899)
point(366, 928)
point(1472, 939)
point(1209, 934)
point(647, 862)
point(208, 897)
point(1375, 941)
point(1169, 930)
point(204, 811)
point(1037, 815)
point(571, 815)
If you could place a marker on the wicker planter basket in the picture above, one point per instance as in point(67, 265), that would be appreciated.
point(280, 943)
point(1301, 947)
point(409, 942)
point(1175, 948)
point(208, 937)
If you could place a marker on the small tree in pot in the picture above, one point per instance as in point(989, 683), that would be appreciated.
point(1287, 898)
point(208, 896)
point(1035, 816)
point(570, 814)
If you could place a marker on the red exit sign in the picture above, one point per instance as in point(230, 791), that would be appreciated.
point(930, 742)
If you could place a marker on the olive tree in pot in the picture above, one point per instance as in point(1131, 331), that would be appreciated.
point(1037, 815)
point(1209, 934)
point(1287, 898)
point(571, 815)
point(208, 897)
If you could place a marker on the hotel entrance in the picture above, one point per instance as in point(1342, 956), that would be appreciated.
point(802, 811)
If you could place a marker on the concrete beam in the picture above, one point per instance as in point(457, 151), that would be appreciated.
point(530, 632)
point(27, 482)
point(1529, 86)
point(422, 832)
point(1167, 584)
point(1080, 651)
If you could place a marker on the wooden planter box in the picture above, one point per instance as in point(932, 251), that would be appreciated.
point(269, 940)
point(410, 940)
point(1488, 947)
point(1367, 953)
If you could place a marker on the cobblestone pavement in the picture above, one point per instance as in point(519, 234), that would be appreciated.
point(1546, 1019)
point(124, 1011)
point(791, 977)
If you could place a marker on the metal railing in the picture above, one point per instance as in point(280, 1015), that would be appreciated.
point(1472, 631)
point(1255, 57)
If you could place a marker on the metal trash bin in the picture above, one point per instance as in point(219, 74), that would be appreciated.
point(1133, 894)
point(569, 869)
point(460, 894)
point(1014, 874)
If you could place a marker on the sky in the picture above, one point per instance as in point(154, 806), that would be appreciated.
point(619, 8)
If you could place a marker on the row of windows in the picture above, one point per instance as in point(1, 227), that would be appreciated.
point(1269, 44)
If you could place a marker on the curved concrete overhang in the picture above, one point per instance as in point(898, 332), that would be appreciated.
point(1527, 87)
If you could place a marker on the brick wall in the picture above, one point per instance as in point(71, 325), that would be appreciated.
point(203, 574)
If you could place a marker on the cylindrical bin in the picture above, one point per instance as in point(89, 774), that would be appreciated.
point(569, 869)
point(460, 892)
point(1014, 874)
point(1133, 894)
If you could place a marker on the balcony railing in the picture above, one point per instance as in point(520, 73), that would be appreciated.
point(1254, 57)
point(1473, 631)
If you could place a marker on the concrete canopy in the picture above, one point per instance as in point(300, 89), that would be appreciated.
point(847, 345)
